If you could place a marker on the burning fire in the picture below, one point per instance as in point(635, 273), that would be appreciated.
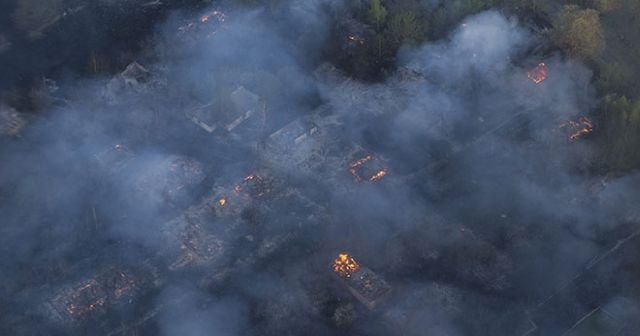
point(361, 161)
point(538, 74)
point(218, 15)
point(94, 293)
point(578, 127)
point(344, 265)
point(207, 19)
point(353, 168)
point(378, 175)
point(82, 292)
point(253, 186)
point(356, 39)
point(222, 201)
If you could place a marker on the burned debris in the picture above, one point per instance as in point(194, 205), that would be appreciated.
point(248, 199)
point(134, 79)
point(246, 115)
point(367, 168)
point(575, 129)
point(367, 286)
point(538, 74)
point(93, 299)
point(11, 121)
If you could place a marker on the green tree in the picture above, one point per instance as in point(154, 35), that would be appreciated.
point(377, 14)
point(579, 32)
point(606, 5)
point(622, 117)
point(405, 26)
point(451, 12)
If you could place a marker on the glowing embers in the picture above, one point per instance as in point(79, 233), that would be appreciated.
point(577, 128)
point(98, 292)
point(204, 23)
point(367, 168)
point(538, 74)
point(367, 286)
point(355, 39)
point(344, 265)
point(253, 186)
point(217, 15)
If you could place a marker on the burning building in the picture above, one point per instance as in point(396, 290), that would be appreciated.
point(367, 168)
point(365, 285)
point(311, 147)
point(575, 129)
point(200, 235)
point(94, 298)
point(538, 74)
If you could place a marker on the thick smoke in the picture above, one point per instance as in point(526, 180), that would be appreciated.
point(482, 181)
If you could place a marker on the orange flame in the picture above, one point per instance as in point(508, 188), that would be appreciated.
point(378, 175)
point(578, 127)
point(344, 265)
point(538, 74)
point(222, 201)
point(354, 170)
point(361, 161)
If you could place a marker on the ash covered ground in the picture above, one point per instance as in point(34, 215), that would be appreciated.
point(231, 181)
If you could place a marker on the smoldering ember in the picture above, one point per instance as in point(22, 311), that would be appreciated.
point(319, 167)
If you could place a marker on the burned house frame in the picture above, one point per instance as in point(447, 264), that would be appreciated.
point(245, 119)
point(367, 286)
point(99, 297)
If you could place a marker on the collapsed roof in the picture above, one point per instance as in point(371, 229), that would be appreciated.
point(248, 112)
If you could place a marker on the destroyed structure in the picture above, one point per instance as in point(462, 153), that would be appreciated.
point(246, 117)
point(367, 286)
point(538, 74)
point(11, 121)
point(266, 212)
point(89, 302)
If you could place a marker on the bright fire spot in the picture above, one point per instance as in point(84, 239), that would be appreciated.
point(378, 175)
point(344, 265)
point(356, 39)
point(578, 127)
point(222, 201)
point(360, 174)
point(220, 16)
point(538, 74)
point(359, 162)
point(253, 186)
